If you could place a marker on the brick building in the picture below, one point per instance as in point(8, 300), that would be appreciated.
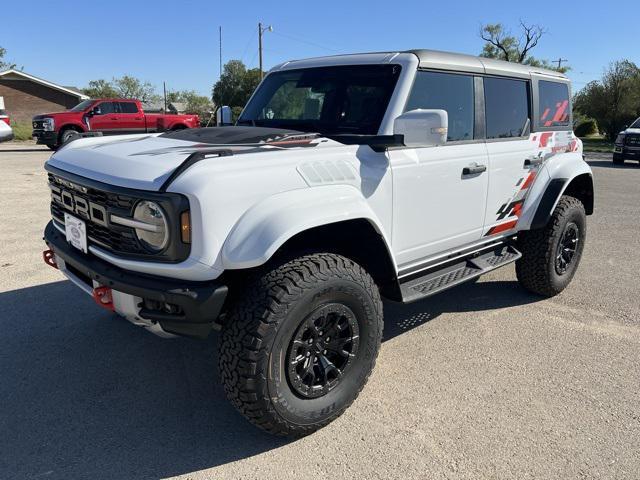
point(26, 95)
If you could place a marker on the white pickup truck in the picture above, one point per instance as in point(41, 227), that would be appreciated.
point(346, 179)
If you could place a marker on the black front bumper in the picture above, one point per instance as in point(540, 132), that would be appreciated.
point(628, 153)
point(200, 303)
point(45, 137)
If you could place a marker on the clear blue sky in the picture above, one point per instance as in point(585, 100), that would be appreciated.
point(72, 42)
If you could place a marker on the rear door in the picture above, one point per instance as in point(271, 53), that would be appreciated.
point(130, 118)
point(436, 206)
point(512, 165)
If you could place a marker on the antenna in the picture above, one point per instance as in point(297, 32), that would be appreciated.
point(220, 44)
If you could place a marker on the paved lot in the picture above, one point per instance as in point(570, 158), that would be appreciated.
point(483, 381)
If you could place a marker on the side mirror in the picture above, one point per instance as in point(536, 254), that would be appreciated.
point(422, 128)
point(223, 116)
point(95, 111)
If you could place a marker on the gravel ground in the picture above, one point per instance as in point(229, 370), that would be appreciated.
point(482, 381)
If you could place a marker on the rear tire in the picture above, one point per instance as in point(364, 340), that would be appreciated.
point(550, 255)
point(299, 343)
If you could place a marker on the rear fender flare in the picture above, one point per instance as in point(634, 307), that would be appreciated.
point(561, 172)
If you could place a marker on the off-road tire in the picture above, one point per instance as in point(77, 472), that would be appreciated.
point(262, 321)
point(536, 269)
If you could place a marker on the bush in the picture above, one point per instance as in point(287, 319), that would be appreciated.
point(586, 127)
point(21, 130)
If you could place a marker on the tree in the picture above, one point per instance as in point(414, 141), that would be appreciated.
point(613, 101)
point(124, 87)
point(502, 45)
point(197, 104)
point(236, 84)
point(100, 89)
point(131, 87)
point(5, 65)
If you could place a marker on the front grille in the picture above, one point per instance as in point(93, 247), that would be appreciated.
point(115, 238)
point(38, 124)
point(632, 140)
point(96, 203)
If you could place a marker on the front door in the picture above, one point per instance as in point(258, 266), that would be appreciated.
point(106, 120)
point(437, 204)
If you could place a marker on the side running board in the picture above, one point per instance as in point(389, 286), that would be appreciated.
point(443, 277)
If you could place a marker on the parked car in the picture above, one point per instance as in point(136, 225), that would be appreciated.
point(627, 144)
point(6, 132)
point(110, 116)
point(3, 113)
point(346, 179)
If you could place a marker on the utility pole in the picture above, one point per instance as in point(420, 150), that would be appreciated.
point(164, 89)
point(261, 30)
point(559, 62)
point(220, 44)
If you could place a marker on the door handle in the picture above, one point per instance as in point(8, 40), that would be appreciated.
point(473, 169)
point(531, 162)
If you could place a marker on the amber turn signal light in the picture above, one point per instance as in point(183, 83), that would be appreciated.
point(185, 227)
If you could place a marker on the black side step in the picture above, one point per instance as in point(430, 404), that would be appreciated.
point(443, 277)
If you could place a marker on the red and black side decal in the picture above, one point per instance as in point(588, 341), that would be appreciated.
point(513, 208)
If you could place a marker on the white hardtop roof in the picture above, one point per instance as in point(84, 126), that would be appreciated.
point(431, 59)
point(12, 74)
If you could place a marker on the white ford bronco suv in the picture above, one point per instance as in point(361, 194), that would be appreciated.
point(345, 179)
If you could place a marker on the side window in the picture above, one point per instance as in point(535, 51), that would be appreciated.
point(450, 92)
point(553, 104)
point(128, 107)
point(106, 108)
point(506, 107)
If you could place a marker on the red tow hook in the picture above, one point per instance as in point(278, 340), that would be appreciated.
point(50, 258)
point(103, 297)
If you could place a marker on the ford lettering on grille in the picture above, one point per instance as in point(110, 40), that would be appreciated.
point(79, 205)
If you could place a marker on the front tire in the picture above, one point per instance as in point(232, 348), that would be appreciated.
point(618, 160)
point(550, 255)
point(300, 342)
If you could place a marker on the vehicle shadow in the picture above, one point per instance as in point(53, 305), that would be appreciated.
point(25, 150)
point(85, 394)
point(467, 297)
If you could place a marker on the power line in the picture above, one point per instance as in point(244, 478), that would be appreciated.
point(308, 42)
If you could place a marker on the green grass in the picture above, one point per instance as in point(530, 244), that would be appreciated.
point(596, 144)
point(21, 130)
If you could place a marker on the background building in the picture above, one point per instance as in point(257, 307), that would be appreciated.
point(26, 95)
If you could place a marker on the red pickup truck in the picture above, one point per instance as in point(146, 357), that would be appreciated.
point(111, 116)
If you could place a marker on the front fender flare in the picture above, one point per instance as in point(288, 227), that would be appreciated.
point(266, 226)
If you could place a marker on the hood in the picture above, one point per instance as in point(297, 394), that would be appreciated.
point(631, 130)
point(57, 115)
point(146, 161)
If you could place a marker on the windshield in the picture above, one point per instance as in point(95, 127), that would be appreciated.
point(635, 124)
point(82, 106)
point(327, 100)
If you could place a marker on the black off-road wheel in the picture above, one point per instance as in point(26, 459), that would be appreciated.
point(550, 255)
point(300, 342)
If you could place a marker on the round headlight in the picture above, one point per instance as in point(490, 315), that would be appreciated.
point(154, 235)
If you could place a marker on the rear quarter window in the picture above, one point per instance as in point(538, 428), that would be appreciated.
point(553, 104)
